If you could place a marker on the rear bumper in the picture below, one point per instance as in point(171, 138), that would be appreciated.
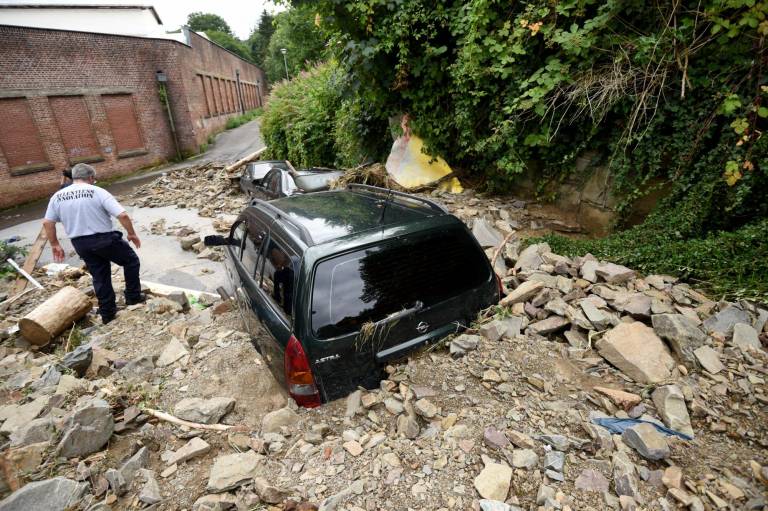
point(406, 347)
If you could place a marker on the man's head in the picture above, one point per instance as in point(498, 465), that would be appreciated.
point(83, 172)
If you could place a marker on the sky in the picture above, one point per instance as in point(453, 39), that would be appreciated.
point(241, 15)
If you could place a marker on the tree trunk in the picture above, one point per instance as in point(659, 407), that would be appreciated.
point(54, 315)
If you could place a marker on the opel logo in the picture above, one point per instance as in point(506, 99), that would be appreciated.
point(422, 327)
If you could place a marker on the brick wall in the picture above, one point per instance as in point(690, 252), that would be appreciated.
point(67, 97)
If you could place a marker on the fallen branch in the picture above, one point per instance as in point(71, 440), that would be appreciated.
point(498, 251)
point(181, 422)
point(244, 160)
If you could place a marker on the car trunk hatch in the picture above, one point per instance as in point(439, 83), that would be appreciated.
point(379, 303)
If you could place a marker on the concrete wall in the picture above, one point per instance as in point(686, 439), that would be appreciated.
point(64, 93)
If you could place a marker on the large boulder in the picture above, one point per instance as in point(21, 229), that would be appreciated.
point(682, 334)
point(36, 431)
point(205, 411)
point(493, 482)
point(745, 337)
point(233, 470)
point(87, 430)
point(531, 257)
point(638, 352)
point(647, 441)
point(670, 403)
point(273, 421)
point(55, 494)
point(723, 322)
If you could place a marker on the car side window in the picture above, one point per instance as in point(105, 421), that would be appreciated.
point(237, 234)
point(254, 241)
point(279, 273)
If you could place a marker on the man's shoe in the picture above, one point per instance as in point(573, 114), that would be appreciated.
point(107, 319)
point(141, 299)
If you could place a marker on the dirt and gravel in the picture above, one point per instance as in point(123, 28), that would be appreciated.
point(502, 417)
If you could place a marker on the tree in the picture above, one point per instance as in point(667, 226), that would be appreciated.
point(203, 22)
point(259, 38)
point(231, 43)
point(296, 31)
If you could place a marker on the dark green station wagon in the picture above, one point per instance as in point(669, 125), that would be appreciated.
point(333, 285)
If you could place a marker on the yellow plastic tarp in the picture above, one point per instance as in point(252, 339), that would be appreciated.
point(411, 168)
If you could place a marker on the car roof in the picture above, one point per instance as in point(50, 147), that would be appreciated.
point(326, 216)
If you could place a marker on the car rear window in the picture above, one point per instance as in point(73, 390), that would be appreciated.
point(368, 285)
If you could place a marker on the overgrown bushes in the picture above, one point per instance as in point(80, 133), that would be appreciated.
point(310, 122)
point(674, 92)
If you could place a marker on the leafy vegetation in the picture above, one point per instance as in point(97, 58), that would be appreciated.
point(231, 43)
point(296, 32)
point(8, 251)
point(310, 122)
point(234, 122)
point(203, 22)
point(259, 38)
point(672, 93)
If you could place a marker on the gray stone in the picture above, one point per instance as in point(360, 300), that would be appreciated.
point(24, 414)
point(493, 481)
point(35, 431)
point(513, 326)
point(670, 403)
point(179, 297)
point(595, 316)
point(233, 470)
point(425, 408)
point(57, 494)
point(557, 442)
point(557, 306)
point(493, 330)
point(116, 481)
point(354, 403)
point(273, 421)
point(495, 438)
point(522, 293)
point(647, 441)
point(50, 378)
point(78, 360)
point(334, 501)
point(614, 273)
point(531, 257)
point(575, 338)
point(195, 447)
point(587, 271)
point(173, 351)
point(591, 480)
point(393, 406)
point(215, 502)
point(464, 343)
point(525, 458)
point(162, 305)
point(485, 234)
point(87, 430)
point(636, 350)
point(709, 359)
point(745, 337)
point(134, 464)
point(150, 492)
point(495, 505)
point(138, 367)
point(554, 460)
point(188, 241)
point(205, 411)
point(269, 493)
point(636, 305)
point(547, 326)
point(682, 334)
point(407, 426)
point(624, 476)
point(723, 322)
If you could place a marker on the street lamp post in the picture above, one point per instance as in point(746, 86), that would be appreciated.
point(285, 61)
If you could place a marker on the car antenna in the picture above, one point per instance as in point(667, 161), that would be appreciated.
point(384, 209)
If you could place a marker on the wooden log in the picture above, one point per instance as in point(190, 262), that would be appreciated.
point(244, 160)
point(54, 315)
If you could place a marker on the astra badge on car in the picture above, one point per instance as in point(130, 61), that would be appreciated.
point(422, 327)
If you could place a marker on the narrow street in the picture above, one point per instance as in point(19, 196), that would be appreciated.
point(163, 261)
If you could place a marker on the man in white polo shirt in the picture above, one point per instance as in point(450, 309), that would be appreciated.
point(86, 212)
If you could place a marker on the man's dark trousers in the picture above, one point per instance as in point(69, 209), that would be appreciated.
point(98, 251)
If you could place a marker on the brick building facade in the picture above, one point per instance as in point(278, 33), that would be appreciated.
point(69, 97)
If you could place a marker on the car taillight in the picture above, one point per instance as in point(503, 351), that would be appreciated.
point(298, 375)
point(500, 286)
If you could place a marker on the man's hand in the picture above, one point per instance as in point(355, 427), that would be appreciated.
point(134, 239)
point(58, 253)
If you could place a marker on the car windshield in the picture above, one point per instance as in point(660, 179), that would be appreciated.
point(369, 285)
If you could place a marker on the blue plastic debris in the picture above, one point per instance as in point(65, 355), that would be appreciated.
point(618, 426)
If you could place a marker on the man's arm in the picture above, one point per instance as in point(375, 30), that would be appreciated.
point(50, 233)
point(125, 221)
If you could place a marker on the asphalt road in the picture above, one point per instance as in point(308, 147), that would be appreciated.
point(162, 259)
